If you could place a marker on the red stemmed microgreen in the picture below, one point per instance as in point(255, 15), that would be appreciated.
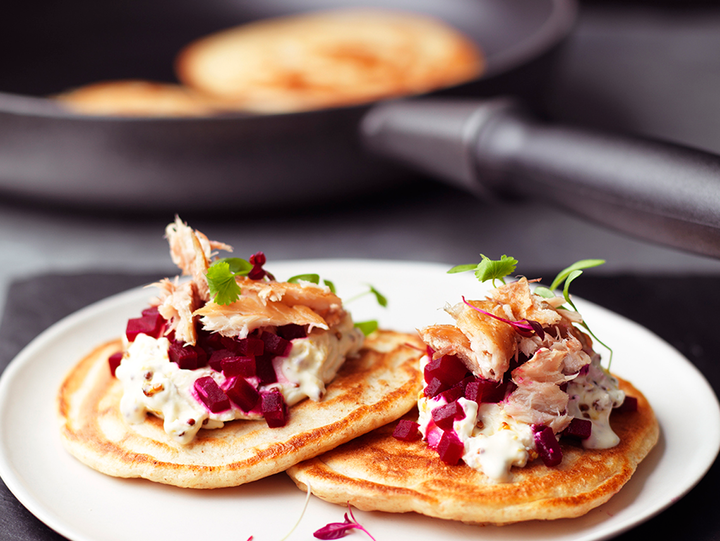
point(336, 530)
point(524, 327)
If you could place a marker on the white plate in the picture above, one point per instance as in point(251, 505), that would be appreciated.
point(84, 505)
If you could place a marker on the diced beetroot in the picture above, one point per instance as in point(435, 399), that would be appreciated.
point(547, 446)
point(434, 388)
point(151, 325)
point(210, 394)
point(629, 404)
point(210, 341)
point(114, 361)
point(185, 356)
point(486, 391)
point(249, 347)
point(578, 429)
point(264, 369)
point(217, 357)
point(448, 369)
point(274, 408)
point(407, 430)
point(243, 394)
point(450, 448)
point(275, 345)
point(238, 366)
point(292, 331)
point(150, 311)
point(453, 393)
point(445, 415)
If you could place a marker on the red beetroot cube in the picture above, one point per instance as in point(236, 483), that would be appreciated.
point(292, 331)
point(444, 416)
point(629, 404)
point(407, 430)
point(434, 387)
point(265, 370)
point(185, 357)
point(547, 446)
point(450, 448)
point(238, 366)
point(275, 345)
point(243, 394)
point(274, 409)
point(211, 395)
point(217, 357)
point(448, 369)
point(114, 361)
point(152, 325)
point(578, 429)
point(486, 391)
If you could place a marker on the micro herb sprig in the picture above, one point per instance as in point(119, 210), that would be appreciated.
point(565, 277)
point(222, 273)
point(336, 530)
point(312, 278)
point(489, 269)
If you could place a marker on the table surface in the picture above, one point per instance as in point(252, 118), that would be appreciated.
point(431, 222)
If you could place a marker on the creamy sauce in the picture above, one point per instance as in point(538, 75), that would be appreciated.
point(154, 384)
point(592, 397)
point(494, 442)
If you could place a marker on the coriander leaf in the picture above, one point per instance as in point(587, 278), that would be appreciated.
point(221, 282)
point(367, 327)
point(582, 264)
point(312, 278)
point(489, 269)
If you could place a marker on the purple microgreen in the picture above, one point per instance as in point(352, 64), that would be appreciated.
point(336, 530)
point(367, 327)
point(525, 327)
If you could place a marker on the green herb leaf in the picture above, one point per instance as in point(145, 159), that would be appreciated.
point(544, 292)
point(237, 265)
point(489, 269)
point(367, 327)
point(221, 282)
point(381, 299)
point(331, 286)
point(313, 278)
point(462, 268)
point(582, 264)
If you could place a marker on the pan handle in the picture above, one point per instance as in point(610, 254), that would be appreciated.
point(657, 191)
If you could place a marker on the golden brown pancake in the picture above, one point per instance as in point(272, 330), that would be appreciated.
point(328, 58)
point(372, 389)
point(378, 472)
point(136, 98)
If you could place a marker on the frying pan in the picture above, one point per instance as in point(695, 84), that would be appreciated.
point(492, 147)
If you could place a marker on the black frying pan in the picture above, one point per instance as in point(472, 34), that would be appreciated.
point(493, 148)
point(230, 162)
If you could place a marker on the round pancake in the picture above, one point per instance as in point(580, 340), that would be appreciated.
point(378, 472)
point(372, 389)
point(328, 58)
point(136, 98)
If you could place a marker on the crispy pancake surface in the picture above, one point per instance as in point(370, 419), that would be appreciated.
point(328, 58)
point(374, 388)
point(379, 472)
